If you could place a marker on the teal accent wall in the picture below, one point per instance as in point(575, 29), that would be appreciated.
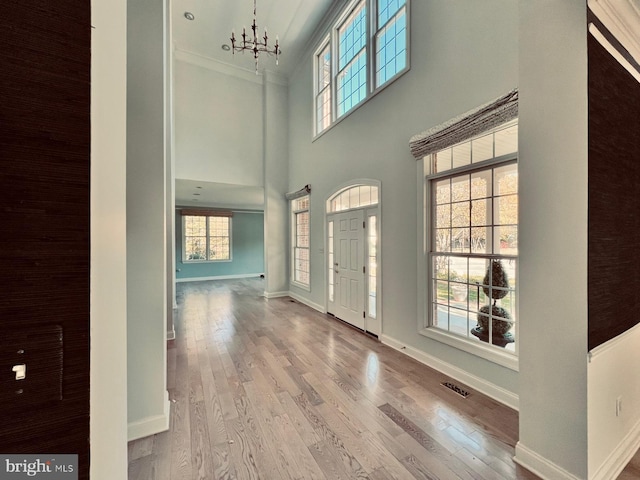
point(247, 249)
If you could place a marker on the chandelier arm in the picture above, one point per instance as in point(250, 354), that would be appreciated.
point(255, 43)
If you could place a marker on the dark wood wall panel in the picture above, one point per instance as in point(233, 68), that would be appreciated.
point(44, 214)
point(614, 197)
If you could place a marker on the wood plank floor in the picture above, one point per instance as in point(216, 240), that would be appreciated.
point(271, 389)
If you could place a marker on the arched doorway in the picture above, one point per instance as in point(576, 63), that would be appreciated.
point(353, 255)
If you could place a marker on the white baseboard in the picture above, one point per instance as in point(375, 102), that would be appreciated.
point(218, 277)
point(539, 465)
point(307, 302)
point(150, 425)
point(619, 457)
point(269, 295)
point(489, 389)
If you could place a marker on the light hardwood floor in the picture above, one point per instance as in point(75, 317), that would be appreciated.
point(271, 389)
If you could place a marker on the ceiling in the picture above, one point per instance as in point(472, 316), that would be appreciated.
point(193, 193)
point(294, 21)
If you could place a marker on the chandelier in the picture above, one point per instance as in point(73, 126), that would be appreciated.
point(254, 44)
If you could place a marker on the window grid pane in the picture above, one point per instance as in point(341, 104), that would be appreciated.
point(387, 8)
point(352, 84)
point(323, 110)
point(503, 141)
point(206, 238)
point(369, 44)
point(323, 98)
point(300, 229)
point(352, 35)
point(391, 48)
point(372, 267)
point(331, 262)
point(474, 254)
point(354, 197)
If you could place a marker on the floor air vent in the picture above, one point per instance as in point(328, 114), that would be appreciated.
point(455, 388)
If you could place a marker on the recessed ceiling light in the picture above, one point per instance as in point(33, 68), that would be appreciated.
point(189, 16)
point(226, 47)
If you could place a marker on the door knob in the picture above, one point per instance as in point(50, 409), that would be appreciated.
point(21, 371)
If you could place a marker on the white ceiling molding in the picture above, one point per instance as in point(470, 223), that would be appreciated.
point(622, 19)
point(217, 66)
point(597, 34)
point(228, 69)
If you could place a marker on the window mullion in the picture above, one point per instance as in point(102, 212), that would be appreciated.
point(352, 61)
point(371, 25)
point(208, 240)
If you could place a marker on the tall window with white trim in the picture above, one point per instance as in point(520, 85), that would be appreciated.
point(367, 47)
point(207, 238)
point(473, 258)
point(323, 87)
point(300, 240)
point(352, 59)
point(390, 39)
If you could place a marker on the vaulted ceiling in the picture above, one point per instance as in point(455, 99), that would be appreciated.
point(294, 21)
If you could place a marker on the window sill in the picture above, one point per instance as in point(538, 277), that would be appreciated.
point(192, 262)
point(481, 350)
point(364, 101)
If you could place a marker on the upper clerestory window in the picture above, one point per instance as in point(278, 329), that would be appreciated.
point(366, 49)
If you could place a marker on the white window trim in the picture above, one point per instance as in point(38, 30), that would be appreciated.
point(292, 280)
point(326, 42)
point(372, 90)
point(184, 244)
point(424, 221)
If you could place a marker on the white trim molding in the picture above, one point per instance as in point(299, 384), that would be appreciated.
point(489, 389)
point(228, 69)
point(619, 457)
point(218, 277)
point(539, 465)
point(270, 295)
point(150, 425)
point(171, 334)
point(613, 344)
point(308, 303)
point(597, 34)
point(622, 19)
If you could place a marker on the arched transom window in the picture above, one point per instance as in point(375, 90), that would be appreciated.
point(353, 197)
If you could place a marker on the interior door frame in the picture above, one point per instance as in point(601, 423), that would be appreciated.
point(369, 210)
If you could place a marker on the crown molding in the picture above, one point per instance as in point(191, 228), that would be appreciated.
point(622, 19)
point(228, 69)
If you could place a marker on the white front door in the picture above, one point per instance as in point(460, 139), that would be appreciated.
point(348, 267)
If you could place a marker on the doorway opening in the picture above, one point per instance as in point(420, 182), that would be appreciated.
point(353, 255)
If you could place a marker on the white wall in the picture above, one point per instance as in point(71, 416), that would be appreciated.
point(553, 237)
point(170, 178)
point(276, 210)
point(464, 53)
point(148, 405)
point(613, 439)
point(218, 124)
point(108, 241)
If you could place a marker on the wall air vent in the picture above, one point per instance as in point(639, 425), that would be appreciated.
point(451, 386)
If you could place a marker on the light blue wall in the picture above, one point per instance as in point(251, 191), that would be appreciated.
point(247, 249)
